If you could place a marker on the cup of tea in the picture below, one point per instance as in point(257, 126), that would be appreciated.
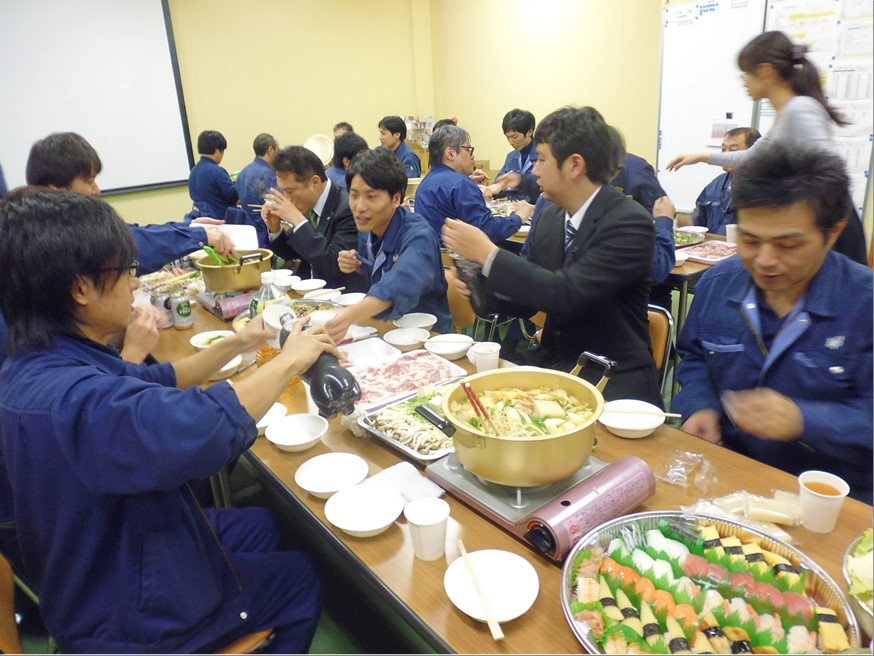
point(821, 496)
point(484, 355)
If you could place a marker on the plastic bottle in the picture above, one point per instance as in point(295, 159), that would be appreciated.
point(267, 295)
point(332, 388)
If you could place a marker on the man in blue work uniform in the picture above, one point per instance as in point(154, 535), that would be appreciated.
point(448, 191)
point(98, 453)
point(392, 137)
point(713, 207)
point(255, 180)
point(209, 185)
point(346, 147)
point(518, 128)
point(398, 253)
point(777, 349)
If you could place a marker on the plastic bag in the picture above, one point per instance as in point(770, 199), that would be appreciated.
point(706, 507)
point(680, 469)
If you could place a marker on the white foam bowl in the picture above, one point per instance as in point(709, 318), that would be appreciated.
point(285, 282)
point(351, 298)
point(323, 294)
point(696, 229)
point(406, 339)
point(451, 347)
point(628, 423)
point(328, 473)
point(296, 432)
point(308, 285)
point(208, 338)
point(416, 320)
point(680, 256)
point(275, 411)
point(364, 510)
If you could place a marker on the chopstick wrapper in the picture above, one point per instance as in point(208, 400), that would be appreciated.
point(407, 480)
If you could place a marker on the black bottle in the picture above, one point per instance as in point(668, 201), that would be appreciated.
point(332, 388)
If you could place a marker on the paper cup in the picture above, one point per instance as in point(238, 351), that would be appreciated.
point(731, 233)
point(484, 355)
point(427, 519)
point(821, 496)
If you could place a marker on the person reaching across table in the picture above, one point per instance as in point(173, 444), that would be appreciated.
point(777, 349)
point(99, 452)
point(398, 253)
point(776, 69)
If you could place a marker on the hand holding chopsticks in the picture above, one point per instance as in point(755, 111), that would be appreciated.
point(478, 406)
point(494, 627)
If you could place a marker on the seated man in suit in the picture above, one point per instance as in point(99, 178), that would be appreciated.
point(589, 259)
point(392, 137)
point(713, 207)
point(255, 180)
point(398, 253)
point(777, 349)
point(518, 128)
point(209, 185)
point(318, 212)
point(346, 147)
point(448, 191)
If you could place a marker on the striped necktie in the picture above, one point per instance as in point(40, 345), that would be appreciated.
point(314, 218)
point(569, 232)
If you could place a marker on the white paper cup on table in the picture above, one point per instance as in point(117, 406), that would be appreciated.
point(821, 496)
point(484, 355)
point(731, 233)
point(427, 519)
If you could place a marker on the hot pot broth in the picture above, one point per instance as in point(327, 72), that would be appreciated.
point(533, 412)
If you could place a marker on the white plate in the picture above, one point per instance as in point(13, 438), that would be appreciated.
point(208, 338)
point(507, 580)
point(324, 475)
point(323, 294)
point(450, 346)
point(245, 237)
point(228, 369)
point(416, 320)
point(322, 145)
point(308, 285)
point(366, 350)
point(275, 411)
point(364, 510)
point(697, 229)
point(407, 339)
point(351, 298)
point(630, 424)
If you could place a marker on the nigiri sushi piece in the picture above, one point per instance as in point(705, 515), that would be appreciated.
point(608, 601)
point(832, 637)
point(675, 637)
point(800, 641)
point(662, 569)
point(701, 645)
point(740, 640)
point(712, 539)
point(587, 589)
point(733, 547)
point(590, 566)
point(651, 629)
point(615, 644)
point(617, 548)
point(655, 539)
point(712, 599)
point(781, 567)
point(687, 586)
point(711, 628)
point(772, 623)
point(754, 556)
point(630, 616)
point(642, 561)
point(676, 550)
point(594, 619)
point(741, 607)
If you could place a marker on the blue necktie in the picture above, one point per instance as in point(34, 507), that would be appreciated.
point(569, 233)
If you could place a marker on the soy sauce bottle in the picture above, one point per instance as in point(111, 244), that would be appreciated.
point(332, 388)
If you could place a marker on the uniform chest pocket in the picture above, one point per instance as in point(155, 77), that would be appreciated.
point(714, 348)
point(826, 368)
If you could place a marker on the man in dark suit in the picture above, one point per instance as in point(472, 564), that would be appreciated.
point(317, 211)
point(588, 264)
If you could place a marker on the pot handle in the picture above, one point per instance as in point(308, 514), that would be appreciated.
point(609, 367)
point(250, 257)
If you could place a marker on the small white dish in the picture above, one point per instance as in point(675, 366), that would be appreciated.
point(308, 285)
point(209, 337)
point(368, 349)
point(273, 413)
point(297, 432)
point(507, 580)
point(228, 369)
point(416, 320)
point(450, 346)
point(323, 294)
point(696, 229)
point(328, 473)
point(350, 298)
point(364, 510)
point(285, 282)
point(628, 424)
point(406, 339)
point(680, 257)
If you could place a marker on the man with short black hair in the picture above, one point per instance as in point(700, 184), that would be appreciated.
point(255, 180)
point(777, 349)
point(346, 147)
point(392, 137)
point(398, 253)
point(209, 185)
point(318, 211)
point(515, 180)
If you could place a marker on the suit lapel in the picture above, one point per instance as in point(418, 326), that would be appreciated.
point(600, 205)
point(329, 209)
point(551, 240)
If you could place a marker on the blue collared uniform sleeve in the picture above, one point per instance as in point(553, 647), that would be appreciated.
point(159, 244)
point(473, 209)
point(664, 255)
point(412, 163)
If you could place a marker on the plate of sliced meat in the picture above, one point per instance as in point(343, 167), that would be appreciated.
point(710, 252)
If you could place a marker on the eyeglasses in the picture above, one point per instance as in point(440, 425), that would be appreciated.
point(469, 149)
point(131, 268)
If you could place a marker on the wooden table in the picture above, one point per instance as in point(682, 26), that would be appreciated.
point(415, 588)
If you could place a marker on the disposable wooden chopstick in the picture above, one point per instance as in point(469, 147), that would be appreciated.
point(494, 627)
point(478, 406)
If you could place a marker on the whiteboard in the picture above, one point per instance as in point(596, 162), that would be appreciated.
point(701, 85)
point(102, 68)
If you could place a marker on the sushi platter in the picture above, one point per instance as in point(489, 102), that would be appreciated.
point(670, 582)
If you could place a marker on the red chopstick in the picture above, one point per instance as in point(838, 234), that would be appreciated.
point(478, 406)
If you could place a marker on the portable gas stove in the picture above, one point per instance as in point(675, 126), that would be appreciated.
point(551, 518)
point(225, 306)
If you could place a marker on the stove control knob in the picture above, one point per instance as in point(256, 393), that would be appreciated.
point(540, 537)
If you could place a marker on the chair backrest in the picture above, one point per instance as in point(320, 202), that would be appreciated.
point(463, 315)
point(9, 641)
point(661, 334)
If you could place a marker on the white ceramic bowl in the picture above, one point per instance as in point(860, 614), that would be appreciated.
point(416, 320)
point(640, 420)
point(364, 510)
point(451, 346)
point(308, 285)
point(286, 282)
point(696, 229)
point(406, 339)
point(328, 473)
point(296, 432)
point(350, 298)
point(681, 256)
point(208, 338)
point(275, 411)
point(323, 294)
